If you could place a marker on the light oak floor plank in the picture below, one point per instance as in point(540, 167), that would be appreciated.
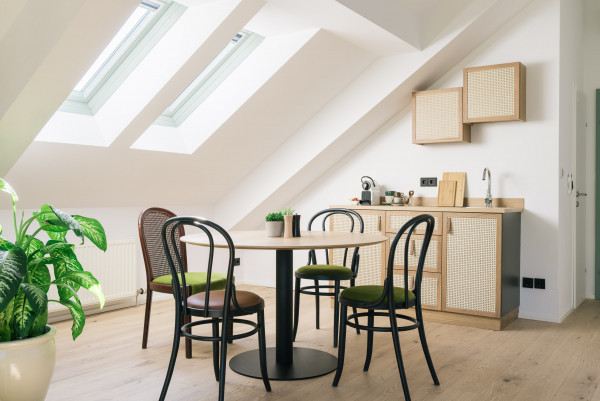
point(529, 360)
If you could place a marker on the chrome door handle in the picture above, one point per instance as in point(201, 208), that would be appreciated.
point(578, 194)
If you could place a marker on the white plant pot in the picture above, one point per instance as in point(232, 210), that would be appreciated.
point(26, 367)
point(274, 228)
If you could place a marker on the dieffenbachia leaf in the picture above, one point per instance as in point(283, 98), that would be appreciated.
point(24, 315)
point(13, 267)
point(34, 245)
point(55, 220)
point(36, 297)
point(93, 230)
point(87, 281)
point(77, 315)
point(38, 273)
point(6, 322)
point(4, 186)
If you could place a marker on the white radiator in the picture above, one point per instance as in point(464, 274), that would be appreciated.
point(115, 269)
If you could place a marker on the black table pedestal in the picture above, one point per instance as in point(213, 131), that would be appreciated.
point(285, 362)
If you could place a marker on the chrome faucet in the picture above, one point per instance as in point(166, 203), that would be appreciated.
point(488, 195)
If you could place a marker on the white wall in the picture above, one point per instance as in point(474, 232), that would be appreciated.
point(522, 156)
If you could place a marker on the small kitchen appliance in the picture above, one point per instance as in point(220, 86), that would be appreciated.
point(370, 193)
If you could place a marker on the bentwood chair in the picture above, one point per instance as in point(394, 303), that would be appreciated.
point(386, 300)
point(158, 274)
point(327, 271)
point(216, 307)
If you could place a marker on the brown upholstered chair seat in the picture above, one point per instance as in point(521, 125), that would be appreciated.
point(246, 300)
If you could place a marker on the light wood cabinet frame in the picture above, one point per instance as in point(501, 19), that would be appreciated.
point(447, 227)
point(494, 84)
point(415, 237)
point(437, 117)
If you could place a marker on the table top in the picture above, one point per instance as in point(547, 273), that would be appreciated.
point(307, 240)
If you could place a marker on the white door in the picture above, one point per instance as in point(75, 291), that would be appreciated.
point(579, 198)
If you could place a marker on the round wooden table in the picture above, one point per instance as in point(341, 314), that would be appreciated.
point(286, 362)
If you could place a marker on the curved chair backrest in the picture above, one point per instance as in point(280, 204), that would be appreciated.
point(326, 219)
point(212, 231)
point(408, 229)
point(150, 224)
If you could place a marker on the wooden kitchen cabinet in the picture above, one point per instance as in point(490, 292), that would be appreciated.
point(472, 269)
point(481, 266)
point(372, 257)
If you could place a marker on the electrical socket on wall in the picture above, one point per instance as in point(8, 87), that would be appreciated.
point(428, 181)
point(527, 282)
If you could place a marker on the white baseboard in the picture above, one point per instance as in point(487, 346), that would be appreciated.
point(544, 318)
point(91, 309)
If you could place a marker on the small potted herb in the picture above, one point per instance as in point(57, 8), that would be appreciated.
point(274, 224)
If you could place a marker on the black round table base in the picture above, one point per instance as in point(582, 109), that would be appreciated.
point(308, 363)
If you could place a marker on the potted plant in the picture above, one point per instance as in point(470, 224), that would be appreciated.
point(274, 224)
point(26, 340)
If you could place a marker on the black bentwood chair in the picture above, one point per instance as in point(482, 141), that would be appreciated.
point(388, 299)
point(216, 307)
point(329, 272)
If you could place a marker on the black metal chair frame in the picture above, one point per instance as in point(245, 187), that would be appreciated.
point(387, 304)
point(214, 317)
point(312, 260)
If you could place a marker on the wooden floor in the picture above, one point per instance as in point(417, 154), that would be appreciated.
point(530, 360)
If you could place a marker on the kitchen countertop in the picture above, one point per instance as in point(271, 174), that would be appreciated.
point(435, 209)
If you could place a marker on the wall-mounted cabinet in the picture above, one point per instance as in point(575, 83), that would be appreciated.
point(438, 117)
point(494, 93)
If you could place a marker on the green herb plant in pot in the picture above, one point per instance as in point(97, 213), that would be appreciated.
point(274, 224)
point(27, 349)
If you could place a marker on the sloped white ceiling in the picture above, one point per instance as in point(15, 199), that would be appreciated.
point(327, 75)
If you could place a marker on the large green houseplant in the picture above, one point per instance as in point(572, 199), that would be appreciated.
point(25, 278)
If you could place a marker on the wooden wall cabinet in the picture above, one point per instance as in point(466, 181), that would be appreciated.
point(494, 93)
point(438, 117)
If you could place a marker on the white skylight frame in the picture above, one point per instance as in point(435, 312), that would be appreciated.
point(236, 51)
point(147, 24)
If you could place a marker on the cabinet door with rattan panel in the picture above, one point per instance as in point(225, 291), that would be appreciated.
point(431, 287)
point(433, 259)
point(471, 266)
point(396, 219)
point(372, 257)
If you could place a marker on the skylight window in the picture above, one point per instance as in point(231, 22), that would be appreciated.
point(236, 51)
point(142, 30)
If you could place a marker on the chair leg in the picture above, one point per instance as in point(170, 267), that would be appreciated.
point(215, 333)
point(223, 363)
point(262, 350)
point(419, 315)
point(188, 341)
point(176, 341)
point(336, 312)
point(147, 318)
point(354, 310)
point(394, 327)
point(230, 332)
point(342, 346)
point(371, 323)
point(296, 307)
point(317, 301)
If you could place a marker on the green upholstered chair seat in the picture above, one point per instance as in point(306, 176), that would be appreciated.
point(197, 280)
point(325, 270)
point(371, 293)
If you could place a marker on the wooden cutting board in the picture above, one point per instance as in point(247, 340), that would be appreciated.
point(446, 193)
point(461, 179)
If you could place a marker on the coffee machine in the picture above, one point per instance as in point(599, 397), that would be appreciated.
point(370, 194)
